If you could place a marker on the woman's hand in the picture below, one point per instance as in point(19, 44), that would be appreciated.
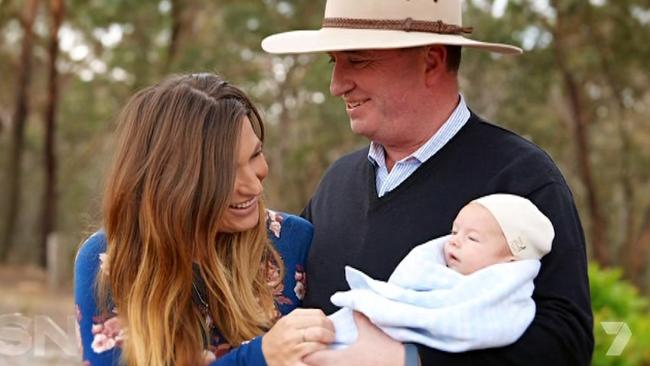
point(296, 335)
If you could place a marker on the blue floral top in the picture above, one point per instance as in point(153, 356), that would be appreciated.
point(101, 336)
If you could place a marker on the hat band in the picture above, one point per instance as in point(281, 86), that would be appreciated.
point(407, 25)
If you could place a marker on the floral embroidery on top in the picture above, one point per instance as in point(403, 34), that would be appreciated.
point(103, 263)
point(107, 333)
point(216, 348)
point(301, 282)
point(275, 282)
point(78, 316)
point(274, 221)
point(106, 329)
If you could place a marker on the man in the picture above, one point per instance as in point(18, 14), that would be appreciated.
point(395, 67)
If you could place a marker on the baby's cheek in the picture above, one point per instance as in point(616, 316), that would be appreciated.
point(445, 248)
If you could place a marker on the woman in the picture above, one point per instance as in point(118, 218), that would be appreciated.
point(183, 272)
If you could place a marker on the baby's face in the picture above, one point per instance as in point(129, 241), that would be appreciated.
point(476, 241)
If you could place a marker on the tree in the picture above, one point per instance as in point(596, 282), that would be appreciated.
point(18, 127)
point(48, 214)
point(580, 121)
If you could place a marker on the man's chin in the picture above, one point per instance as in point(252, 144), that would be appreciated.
point(360, 127)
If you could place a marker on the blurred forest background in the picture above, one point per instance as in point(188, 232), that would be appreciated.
point(581, 91)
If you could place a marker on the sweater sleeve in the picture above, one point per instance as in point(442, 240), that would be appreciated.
point(247, 354)
point(99, 336)
point(561, 332)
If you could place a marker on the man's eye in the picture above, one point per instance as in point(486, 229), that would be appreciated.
point(357, 62)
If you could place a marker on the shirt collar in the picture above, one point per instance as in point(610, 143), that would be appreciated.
point(461, 113)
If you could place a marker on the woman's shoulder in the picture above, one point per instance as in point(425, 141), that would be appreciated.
point(92, 250)
point(291, 236)
point(281, 224)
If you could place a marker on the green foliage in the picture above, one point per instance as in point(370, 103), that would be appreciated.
point(615, 300)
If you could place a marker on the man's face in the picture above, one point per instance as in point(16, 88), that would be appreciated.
point(381, 90)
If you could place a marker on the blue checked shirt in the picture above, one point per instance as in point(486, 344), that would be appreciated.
point(387, 181)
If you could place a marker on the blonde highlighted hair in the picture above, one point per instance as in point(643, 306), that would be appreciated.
point(172, 175)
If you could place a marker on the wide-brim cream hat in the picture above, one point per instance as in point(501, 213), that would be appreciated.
point(383, 24)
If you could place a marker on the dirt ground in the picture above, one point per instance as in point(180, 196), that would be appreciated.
point(26, 299)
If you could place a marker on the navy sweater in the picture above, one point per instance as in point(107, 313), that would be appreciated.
point(355, 227)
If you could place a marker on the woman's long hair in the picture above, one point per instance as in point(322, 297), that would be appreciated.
point(169, 186)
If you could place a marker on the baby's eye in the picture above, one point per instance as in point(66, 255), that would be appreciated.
point(473, 238)
point(454, 232)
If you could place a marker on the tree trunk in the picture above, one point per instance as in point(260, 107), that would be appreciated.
point(637, 254)
point(598, 225)
point(177, 26)
point(626, 177)
point(5, 12)
point(48, 213)
point(18, 128)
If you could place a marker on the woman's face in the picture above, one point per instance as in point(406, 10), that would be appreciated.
point(243, 211)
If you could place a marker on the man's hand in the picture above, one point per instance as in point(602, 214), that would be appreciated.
point(372, 348)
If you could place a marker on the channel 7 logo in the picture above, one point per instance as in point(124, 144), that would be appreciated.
point(622, 333)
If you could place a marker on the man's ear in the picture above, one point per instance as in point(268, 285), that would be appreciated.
point(435, 57)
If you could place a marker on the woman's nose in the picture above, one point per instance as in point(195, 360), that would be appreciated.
point(251, 186)
point(250, 183)
point(261, 169)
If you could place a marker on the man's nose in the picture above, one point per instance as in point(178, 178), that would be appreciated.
point(340, 82)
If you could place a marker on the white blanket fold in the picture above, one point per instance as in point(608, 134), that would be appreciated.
point(427, 303)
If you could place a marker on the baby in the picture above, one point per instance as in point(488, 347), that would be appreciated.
point(468, 290)
point(495, 229)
